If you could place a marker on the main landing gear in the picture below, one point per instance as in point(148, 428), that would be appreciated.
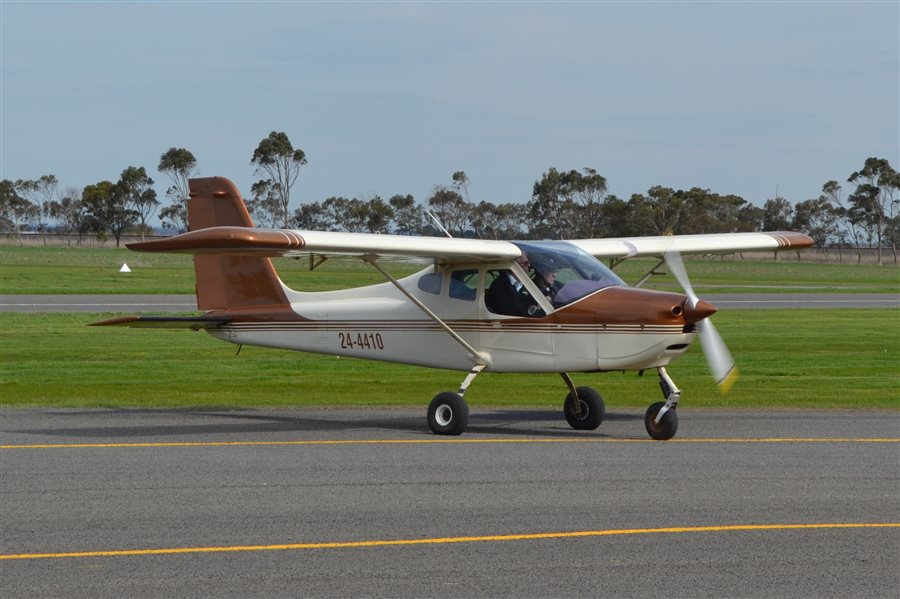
point(448, 413)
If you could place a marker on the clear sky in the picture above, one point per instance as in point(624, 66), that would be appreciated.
point(393, 97)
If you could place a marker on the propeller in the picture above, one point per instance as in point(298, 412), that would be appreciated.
point(719, 359)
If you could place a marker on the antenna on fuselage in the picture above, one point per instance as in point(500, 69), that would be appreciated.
point(438, 223)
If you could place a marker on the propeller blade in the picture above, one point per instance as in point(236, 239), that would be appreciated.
point(718, 358)
point(676, 267)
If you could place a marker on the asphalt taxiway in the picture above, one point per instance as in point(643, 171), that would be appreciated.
point(312, 502)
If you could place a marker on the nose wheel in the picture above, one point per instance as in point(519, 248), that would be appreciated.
point(660, 419)
point(661, 428)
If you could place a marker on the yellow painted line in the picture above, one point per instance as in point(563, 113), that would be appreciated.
point(447, 540)
point(439, 440)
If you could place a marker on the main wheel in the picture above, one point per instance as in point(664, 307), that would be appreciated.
point(667, 425)
point(448, 414)
point(592, 409)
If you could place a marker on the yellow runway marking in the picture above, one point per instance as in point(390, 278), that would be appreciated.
point(433, 441)
point(447, 540)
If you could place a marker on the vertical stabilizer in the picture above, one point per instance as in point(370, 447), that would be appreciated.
point(223, 281)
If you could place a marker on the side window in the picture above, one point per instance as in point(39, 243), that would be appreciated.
point(464, 284)
point(431, 282)
point(506, 295)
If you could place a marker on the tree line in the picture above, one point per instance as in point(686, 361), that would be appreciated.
point(571, 204)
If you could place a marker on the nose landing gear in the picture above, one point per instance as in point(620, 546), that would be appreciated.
point(660, 420)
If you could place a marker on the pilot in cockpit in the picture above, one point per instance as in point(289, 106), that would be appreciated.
point(508, 295)
point(545, 279)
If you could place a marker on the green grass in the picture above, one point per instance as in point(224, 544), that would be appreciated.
point(789, 358)
point(40, 270)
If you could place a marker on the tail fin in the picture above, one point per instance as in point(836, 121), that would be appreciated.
point(223, 281)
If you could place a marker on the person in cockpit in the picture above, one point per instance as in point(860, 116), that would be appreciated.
point(508, 295)
point(545, 279)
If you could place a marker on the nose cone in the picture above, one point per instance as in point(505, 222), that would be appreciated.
point(702, 310)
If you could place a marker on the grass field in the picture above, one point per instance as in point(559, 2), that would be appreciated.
point(39, 270)
point(795, 358)
point(790, 358)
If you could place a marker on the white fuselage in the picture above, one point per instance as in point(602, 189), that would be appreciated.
point(379, 322)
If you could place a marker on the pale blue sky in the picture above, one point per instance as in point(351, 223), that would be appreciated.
point(389, 98)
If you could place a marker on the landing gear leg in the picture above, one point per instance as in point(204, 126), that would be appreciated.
point(661, 420)
point(448, 413)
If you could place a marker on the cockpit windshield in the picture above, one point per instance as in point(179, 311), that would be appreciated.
point(565, 272)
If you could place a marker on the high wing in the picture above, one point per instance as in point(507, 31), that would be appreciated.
point(294, 243)
point(712, 243)
point(221, 225)
point(250, 241)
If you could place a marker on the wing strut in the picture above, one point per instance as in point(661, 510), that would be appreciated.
point(479, 358)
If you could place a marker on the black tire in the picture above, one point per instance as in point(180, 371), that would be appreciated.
point(448, 414)
point(592, 409)
point(667, 426)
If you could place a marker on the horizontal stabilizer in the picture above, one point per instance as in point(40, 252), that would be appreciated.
point(195, 323)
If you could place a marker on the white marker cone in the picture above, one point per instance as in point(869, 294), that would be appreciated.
point(124, 268)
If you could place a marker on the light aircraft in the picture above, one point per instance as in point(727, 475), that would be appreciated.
point(454, 314)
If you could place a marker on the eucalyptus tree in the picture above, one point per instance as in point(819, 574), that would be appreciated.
point(461, 184)
point(849, 228)
point(139, 196)
point(408, 217)
point(451, 209)
point(14, 209)
point(179, 165)
point(311, 217)
point(69, 214)
point(778, 213)
point(568, 204)
point(379, 215)
point(41, 192)
point(708, 212)
point(499, 221)
point(279, 162)
point(550, 213)
point(347, 214)
point(818, 218)
point(619, 219)
point(587, 191)
point(876, 201)
point(107, 210)
point(656, 213)
point(265, 205)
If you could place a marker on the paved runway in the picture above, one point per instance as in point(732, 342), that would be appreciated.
point(186, 303)
point(304, 502)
